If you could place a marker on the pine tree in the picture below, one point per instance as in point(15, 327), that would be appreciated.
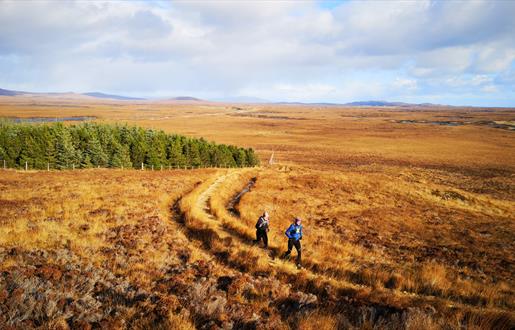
point(156, 154)
point(252, 160)
point(12, 144)
point(49, 142)
point(86, 161)
point(240, 157)
point(121, 157)
point(3, 154)
point(205, 158)
point(96, 152)
point(66, 155)
point(194, 153)
point(174, 152)
point(27, 148)
point(138, 147)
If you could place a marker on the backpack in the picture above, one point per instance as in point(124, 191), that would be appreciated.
point(259, 223)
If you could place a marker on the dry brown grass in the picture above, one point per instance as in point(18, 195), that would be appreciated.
point(406, 225)
point(112, 223)
point(374, 229)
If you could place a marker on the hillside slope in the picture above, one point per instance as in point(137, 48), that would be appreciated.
point(139, 249)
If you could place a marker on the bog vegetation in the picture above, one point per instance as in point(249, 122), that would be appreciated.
point(99, 145)
point(406, 226)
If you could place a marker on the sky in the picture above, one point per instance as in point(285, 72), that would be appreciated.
point(446, 52)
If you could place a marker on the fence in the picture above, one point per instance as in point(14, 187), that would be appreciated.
point(144, 167)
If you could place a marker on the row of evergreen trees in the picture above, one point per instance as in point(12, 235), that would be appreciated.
point(92, 145)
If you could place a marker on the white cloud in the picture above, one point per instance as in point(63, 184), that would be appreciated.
point(490, 89)
point(407, 84)
point(274, 49)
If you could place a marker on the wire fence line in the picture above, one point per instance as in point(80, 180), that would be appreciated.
point(144, 167)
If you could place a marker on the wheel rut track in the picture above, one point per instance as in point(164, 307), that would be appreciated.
point(206, 236)
point(336, 299)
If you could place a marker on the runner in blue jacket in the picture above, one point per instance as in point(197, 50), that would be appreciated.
point(294, 234)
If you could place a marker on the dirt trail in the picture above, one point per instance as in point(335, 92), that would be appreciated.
point(203, 199)
point(202, 203)
point(214, 229)
point(228, 253)
point(223, 232)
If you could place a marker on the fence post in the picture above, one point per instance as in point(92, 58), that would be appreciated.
point(152, 167)
point(4, 165)
point(142, 166)
point(161, 168)
point(48, 167)
point(73, 166)
point(26, 166)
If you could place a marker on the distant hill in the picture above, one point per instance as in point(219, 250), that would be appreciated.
point(111, 96)
point(362, 104)
point(375, 104)
point(241, 99)
point(322, 104)
point(6, 92)
point(181, 100)
point(185, 98)
point(97, 95)
point(388, 104)
point(236, 99)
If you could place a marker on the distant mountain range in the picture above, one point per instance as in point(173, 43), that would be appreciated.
point(387, 104)
point(185, 98)
point(6, 92)
point(111, 96)
point(330, 104)
point(98, 95)
point(236, 99)
point(241, 99)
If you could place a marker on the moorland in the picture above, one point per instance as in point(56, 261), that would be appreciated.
point(407, 214)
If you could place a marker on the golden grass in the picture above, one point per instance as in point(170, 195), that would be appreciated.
point(430, 280)
point(341, 233)
point(406, 225)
